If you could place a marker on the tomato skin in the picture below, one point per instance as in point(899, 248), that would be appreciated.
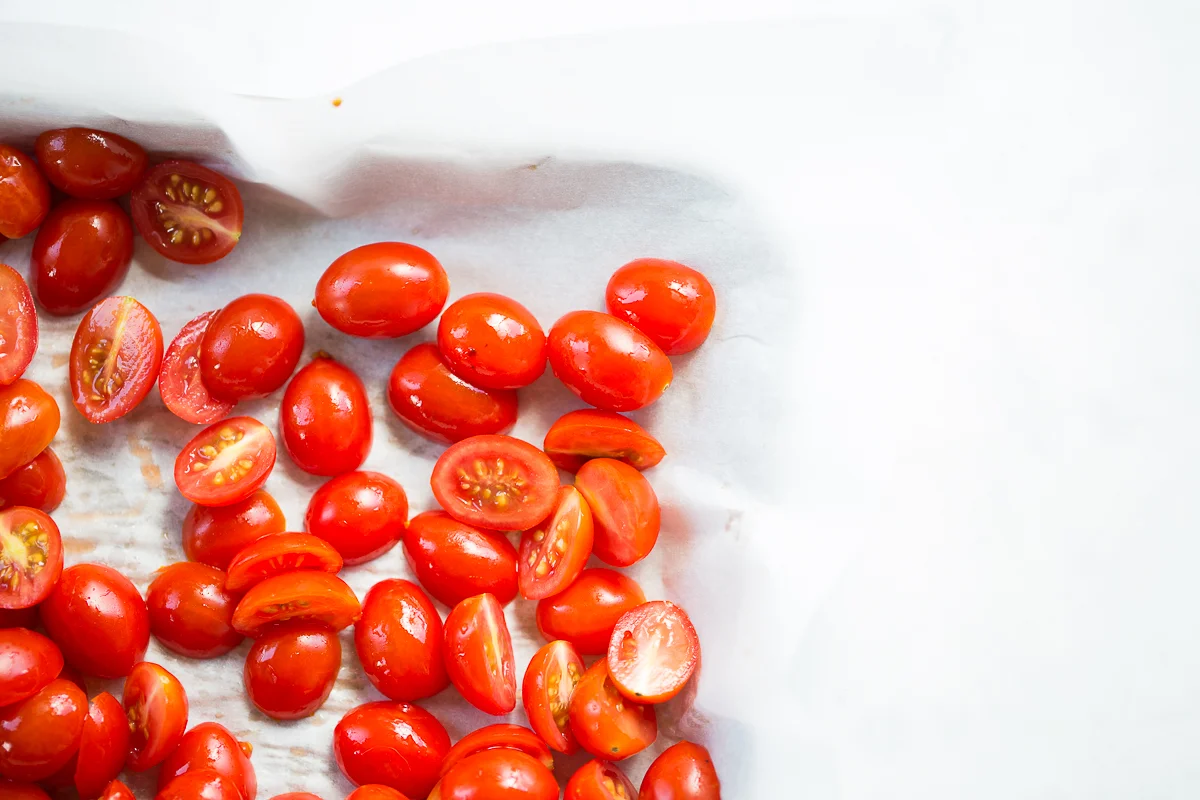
point(29, 419)
point(587, 611)
point(521, 481)
point(589, 433)
point(500, 736)
point(176, 201)
point(398, 745)
point(179, 383)
point(301, 596)
point(91, 164)
point(82, 251)
point(200, 784)
point(210, 745)
point(39, 734)
point(157, 708)
point(479, 655)
point(607, 724)
point(214, 536)
point(251, 347)
point(653, 652)
point(609, 363)
point(103, 746)
point(552, 675)
point(115, 358)
point(98, 619)
point(382, 290)
point(624, 509)
point(18, 325)
point(21, 791)
point(498, 775)
point(554, 552)
point(683, 771)
point(362, 514)
point(31, 557)
point(40, 484)
point(439, 405)
point(278, 553)
point(592, 782)
point(226, 462)
point(326, 419)
point(117, 791)
point(671, 303)
point(374, 791)
point(291, 669)
point(24, 194)
point(454, 561)
point(191, 612)
point(492, 341)
point(399, 641)
point(28, 662)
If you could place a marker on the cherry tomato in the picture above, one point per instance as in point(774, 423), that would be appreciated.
point(326, 419)
point(455, 561)
point(115, 357)
point(210, 745)
point(439, 405)
point(501, 736)
point(653, 652)
point(103, 746)
point(18, 325)
point(672, 304)
point(91, 164)
point(399, 641)
point(291, 669)
point(609, 363)
point(279, 553)
point(624, 509)
point(200, 784)
point(586, 612)
point(551, 677)
point(31, 557)
point(251, 347)
point(187, 212)
point(39, 734)
point(19, 617)
point(316, 597)
point(40, 484)
point(362, 514)
point(191, 611)
point(607, 724)
point(382, 290)
point(397, 745)
point(117, 791)
point(599, 780)
point(497, 775)
point(226, 462)
point(157, 708)
point(683, 771)
point(179, 382)
point(492, 341)
point(28, 421)
point(82, 252)
point(21, 791)
point(374, 791)
point(214, 536)
point(99, 620)
point(554, 552)
point(479, 655)
point(495, 482)
point(28, 662)
point(24, 194)
point(296, 796)
point(580, 435)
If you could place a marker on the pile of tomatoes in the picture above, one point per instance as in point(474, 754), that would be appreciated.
point(247, 576)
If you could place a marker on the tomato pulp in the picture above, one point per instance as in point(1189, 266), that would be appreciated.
point(115, 358)
point(653, 651)
point(188, 213)
point(226, 462)
point(550, 679)
point(31, 557)
point(495, 482)
point(157, 708)
point(554, 552)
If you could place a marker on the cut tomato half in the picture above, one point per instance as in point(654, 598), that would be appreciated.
point(157, 709)
point(183, 392)
point(312, 596)
point(581, 435)
point(600, 780)
point(18, 325)
point(279, 553)
point(554, 553)
point(479, 655)
point(103, 747)
point(499, 737)
point(187, 212)
point(115, 358)
point(550, 679)
point(31, 557)
point(495, 482)
point(226, 462)
point(653, 651)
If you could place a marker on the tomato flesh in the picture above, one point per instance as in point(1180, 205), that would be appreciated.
point(624, 508)
point(554, 552)
point(226, 462)
point(653, 652)
point(550, 679)
point(297, 596)
point(115, 358)
point(497, 775)
point(382, 290)
point(81, 252)
point(88, 163)
point(439, 405)
point(479, 655)
point(326, 419)
point(606, 723)
point(103, 746)
point(98, 619)
point(188, 213)
point(251, 347)
point(492, 341)
point(501, 736)
point(40, 484)
point(157, 708)
point(214, 536)
point(279, 553)
point(191, 610)
point(495, 482)
point(671, 303)
point(397, 745)
point(18, 325)
point(607, 362)
point(28, 662)
point(29, 419)
point(179, 381)
point(683, 771)
point(362, 514)
point(589, 433)
point(599, 780)
point(291, 669)
point(454, 561)
point(31, 557)
point(586, 612)
point(39, 734)
point(399, 641)
point(24, 194)
point(210, 745)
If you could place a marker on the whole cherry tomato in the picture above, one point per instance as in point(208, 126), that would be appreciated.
point(291, 669)
point(226, 462)
point(554, 552)
point(117, 791)
point(316, 597)
point(374, 791)
point(399, 641)
point(500, 736)
point(672, 304)
point(82, 252)
point(552, 675)
point(191, 611)
point(606, 723)
point(28, 662)
point(599, 780)
point(588, 433)
point(382, 290)
point(157, 708)
point(398, 745)
point(495, 482)
point(279, 553)
point(251, 347)
point(455, 561)
point(18, 325)
point(653, 651)
point(624, 509)
point(21, 791)
point(103, 746)
point(28, 421)
point(326, 419)
point(214, 536)
point(683, 771)
point(439, 405)
point(492, 341)
point(187, 212)
point(362, 514)
point(586, 612)
point(200, 784)
point(179, 382)
point(210, 745)
point(498, 775)
point(40, 484)
point(91, 164)
point(39, 734)
point(115, 357)
point(24, 194)
point(99, 620)
point(609, 363)
point(31, 557)
point(479, 655)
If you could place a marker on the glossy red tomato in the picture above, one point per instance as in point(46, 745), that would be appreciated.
point(624, 508)
point(492, 341)
point(398, 745)
point(117, 791)
point(479, 655)
point(251, 347)
point(554, 552)
point(18, 325)
point(226, 462)
point(609, 363)
point(497, 775)
point(187, 212)
point(455, 561)
point(179, 382)
point(214, 536)
point(21, 791)
point(495, 482)
point(157, 708)
point(382, 290)
point(551, 677)
point(316, 597)
point(399, 641)
point(40, 734)
point(279, 553)
point(115, 357)
point(98, 619)
point(191, 611)
point(210, 745)
point(653, 651)
point(88, 163)
point(82, 252)
point(606, 723)
point(326, 419)
point(28, 662)
point(599, 780)
point(683, 771)
point(362, 514)
point(375, 792)
point(501, 736)
point(31, 557)
point(588, 433)
point(587, 611)
point(672, 304)
point(28, 421)
point(24, 194)
point(200, 784)
point(40, 484)
point(103, 746)
point(291, 669)
point(439, 405)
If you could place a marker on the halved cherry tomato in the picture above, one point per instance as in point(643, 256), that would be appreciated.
point(624, 509)
point(251, 347)
point(454, 561)
point(28, 662)
point(157, 708)
point(653, 651)
point(191, 610)
point(98, 619)
point(374, 791)
point(588, 433)
point(554, 552)
point(492, 341)
point(479, 655)
point(28, 421)
point(439, 405)
point(187, 212)
point(607, 362)
point(103, 746)
point(226, 462)
point(551, 677)
point(115, 357)
point(24, 194)
point(398, 745)
point(497, 775)
point(683, 771)
point(399, 641)
point(671, 303)
point(278, 553)
point(40, 484)
point(606, 723)
point(82, 252)
point(91, 164)
point(382, 290)
point(210, 745)
point(291, 669)
point(21, 791)
point(18, 325)
point(326, 419)
point(586, 612)
point(302, 596)
point(495, 482)
point(599, 780)
point(214, 536)
point(179, 382)
point(39, 734)
point(31, 557)
point(200, 784)
point(501, 736)
point(362, 514)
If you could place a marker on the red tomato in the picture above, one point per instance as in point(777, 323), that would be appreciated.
point(91, 164)
point(495, 482)
point(326, 419)
point(279, 553)
point(497, 775)
point(23, 791)
point(40, 734)
point(579, 435)
point(117, 791)
point(210, 745)
point(187, 212)
point(214, 536)
point(191, 611)
point(362, 514)
point(103, 746)
point(672, 304)
point(684, 771)
point(82, 252)
point(609, 363)
point(455, 561)
point(28, 662)
point(291, 669)
point(200, 784)
point(479, 655)
point(587, 611)
point(24, 194)
point(316, 597)
point(157, 708)
point(492, 341)
point(382, 290)
point(115, 357)
point(551, 677)
point(397, 745)
point(653, 651)
point(40, 484)
point(226, 462)
point(399, 641)
point(607, 724)
point(179, 382)
point(554, 552)
point(375, 792)
point(28, 421)
point(501, 736)
point(599, 780)
point(439, 405)
point(98, 619)
point(624, 509)
point(251, 347)
point(30, 557)
point(18, 325)
point(296, 796)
